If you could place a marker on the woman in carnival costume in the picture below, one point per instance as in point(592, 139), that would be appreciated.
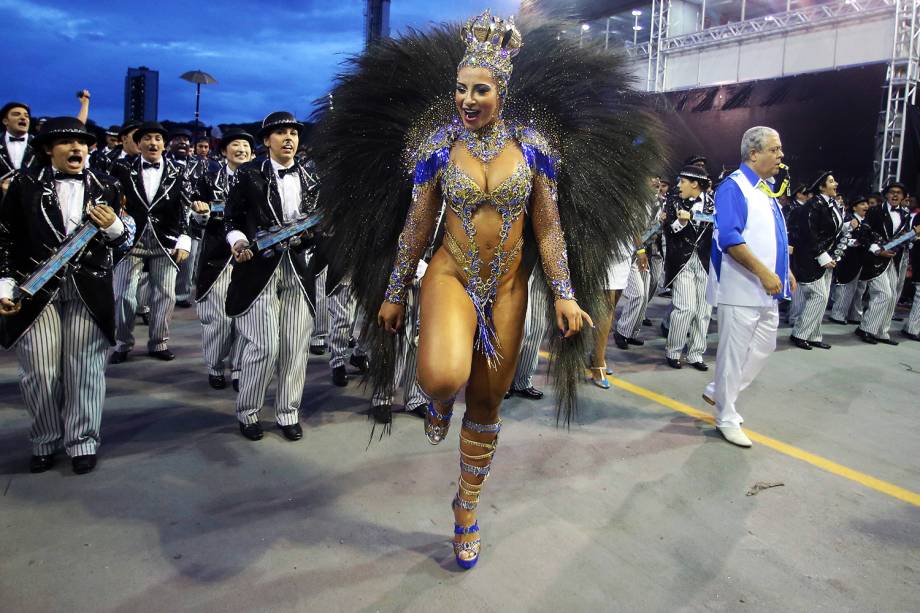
point(548, 165)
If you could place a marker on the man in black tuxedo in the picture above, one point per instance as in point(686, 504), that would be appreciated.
point(62, 333)
point(267, 296)
point(883, 269)
point(16, 151)
point(99, 160)
point(818, 236)
point(157, 195)
point(850, 289)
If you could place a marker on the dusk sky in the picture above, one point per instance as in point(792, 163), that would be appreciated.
point(266, 56)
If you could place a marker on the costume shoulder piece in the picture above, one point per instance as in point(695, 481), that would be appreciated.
point(431, 157)
point(538, 153)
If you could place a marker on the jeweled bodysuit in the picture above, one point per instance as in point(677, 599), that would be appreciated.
point(532, 182)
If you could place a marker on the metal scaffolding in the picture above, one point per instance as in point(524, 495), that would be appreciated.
point(658, 37)
point(901, 91)
point(810, 17)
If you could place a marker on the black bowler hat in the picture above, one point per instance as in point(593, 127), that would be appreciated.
point(9, 106)
point(897, 184)
point(129, 125)
point(180, 132)
point(148, 127)
point(694, 159)
point(236, 134)
point(62, 127)
point(113, 131)
point(852, 204)
point(276, 120)
point(816, 186)
point(695, 173)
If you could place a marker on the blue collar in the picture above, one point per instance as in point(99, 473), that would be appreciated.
point(753, 177)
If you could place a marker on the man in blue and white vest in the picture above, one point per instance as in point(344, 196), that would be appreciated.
point(748, 274)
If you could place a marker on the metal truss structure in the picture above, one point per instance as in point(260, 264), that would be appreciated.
point(901, 91)
point(818, 16)
point(658, 37)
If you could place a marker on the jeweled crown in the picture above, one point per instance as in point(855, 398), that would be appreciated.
point(491, 43)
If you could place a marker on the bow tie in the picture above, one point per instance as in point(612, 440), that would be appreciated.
point(283, 172)
point(17, 139)
point(63, 176)
point(146, 165)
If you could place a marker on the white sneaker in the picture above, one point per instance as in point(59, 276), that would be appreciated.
point(735, 435)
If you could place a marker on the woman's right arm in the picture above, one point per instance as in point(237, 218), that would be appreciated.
point(413, 240)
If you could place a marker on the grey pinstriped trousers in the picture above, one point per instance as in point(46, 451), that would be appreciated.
point(62, 376)
point(810, 300)
point(535, 327)
point(276, 333)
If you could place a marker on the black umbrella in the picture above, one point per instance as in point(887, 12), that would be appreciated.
point(199, 78)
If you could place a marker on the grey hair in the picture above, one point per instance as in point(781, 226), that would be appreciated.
point(754, 140)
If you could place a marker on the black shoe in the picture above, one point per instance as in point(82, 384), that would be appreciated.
point(360, 362)
point(145, 318)
point(896, 318)
point(638, 342)
point(508, 394)
point(292, 433)
point(118, 357)
point(317, 349)
point(352, 343)
point(886, 341)
point(801, 343)
point(819, 344)
point(236, 385)
point(165, 354)
point(865, 336)
point(383, 413)
point(217, 381)
point(184, 304)
point(701, 365)
point(40, 463)
point(620, 340)
point(251, 431)
point(339, 377)
point(837, 321)
point(647, 322)
point(83, 464)
point(913, 337)
point(854, 321)
point(528, 392)
point(674, 363)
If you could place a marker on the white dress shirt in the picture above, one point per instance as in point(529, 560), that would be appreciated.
point(17, 150)
point(289, 190)
point(151, 178)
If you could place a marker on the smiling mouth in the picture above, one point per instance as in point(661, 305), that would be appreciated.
point(471, 114)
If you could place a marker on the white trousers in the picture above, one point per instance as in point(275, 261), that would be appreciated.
point(341, 306)
point(321, 314)
point(62, 376)
point(848, 304)
point(689, 321)
point(162, 276)
point(747, 337)
point(635, 301)
point(811, 300)
point(883, 298)
point(276, 333)
point(913, 321)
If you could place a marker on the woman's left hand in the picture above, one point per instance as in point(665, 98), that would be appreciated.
point(570, 318)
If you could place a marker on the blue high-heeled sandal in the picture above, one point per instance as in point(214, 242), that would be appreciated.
point(467, 553)
point(604, 384)
point(434, 432)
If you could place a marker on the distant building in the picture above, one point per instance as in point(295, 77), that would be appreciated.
point(376, 20)
point(141, 93)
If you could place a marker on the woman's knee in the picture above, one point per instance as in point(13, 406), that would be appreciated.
point(441, 383)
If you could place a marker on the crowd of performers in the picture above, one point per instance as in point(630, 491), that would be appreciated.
point(431, 281)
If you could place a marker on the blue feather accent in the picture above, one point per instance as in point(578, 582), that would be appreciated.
point(427, 169)
point(539, 161)
point(486, 340)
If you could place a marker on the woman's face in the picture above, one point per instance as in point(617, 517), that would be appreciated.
point(476, 97)
point(861, 208)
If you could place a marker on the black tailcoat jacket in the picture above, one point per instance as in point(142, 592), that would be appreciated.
point(29, 161)
point(850, 265)
point(32, 226)
point(881, 230)
point(167, 215)
point(254, 206)
point(817, 228)
point(215, 255)
point(695, 237)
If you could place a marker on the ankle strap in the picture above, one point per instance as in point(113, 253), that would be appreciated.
point(482, 428)
point(458, 529)
point(433, 413)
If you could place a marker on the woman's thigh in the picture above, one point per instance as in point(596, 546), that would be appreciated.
point(448, 323)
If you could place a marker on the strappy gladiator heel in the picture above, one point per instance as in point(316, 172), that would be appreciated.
point(436, 432)
point(467, 498)
point(602, 383)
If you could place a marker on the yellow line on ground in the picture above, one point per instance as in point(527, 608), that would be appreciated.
point(830, 466)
